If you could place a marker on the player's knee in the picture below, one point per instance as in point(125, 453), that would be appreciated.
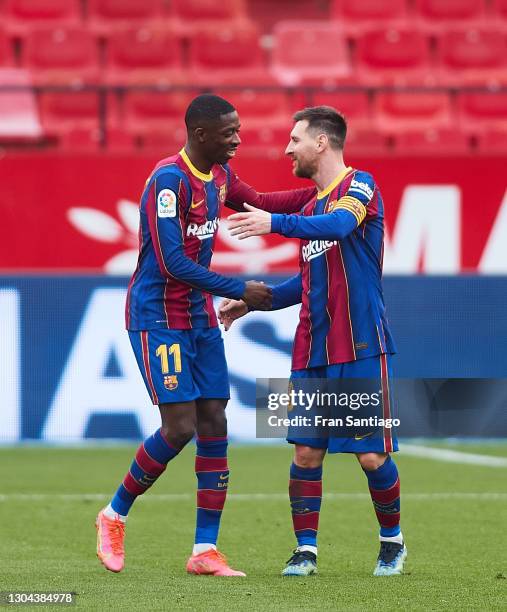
point(371, 461)
point(178, 437)
point(211, 419)
point(308, 457)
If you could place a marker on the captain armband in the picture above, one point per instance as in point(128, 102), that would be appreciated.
point(354, 206)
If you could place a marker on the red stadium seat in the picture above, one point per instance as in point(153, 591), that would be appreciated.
point(147, 112)
point(473, 57)
point(167, 141)
point(118, 140)
point(355, 106)
point(73, 120)
point(191, 16)
point(310, 53)
point(258, 105)
point(22, 15)
point(228, 55)
point(500, 9)
point(19, 113)
point(208, 10)
point(398, 112)
point(483, 111)
point(267, 141)
point(260, 110)
point(365, 142)
point(93, 141)
point(394, 56)
point(63, 111)
point(432, 142)
point(484, 116)
point(359, 15)
point(144, 55)
point(106, 14)
point(6, 51)
point(267, 13)
point(440, 14)
point(492, 142)
point(61, 56)
point(80, 140)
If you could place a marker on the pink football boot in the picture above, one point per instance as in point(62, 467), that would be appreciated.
point(110, 536)
point(211, 563)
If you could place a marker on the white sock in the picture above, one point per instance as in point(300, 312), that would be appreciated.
point(312, 549)
point(398, 539)
point(110, 513)
point(200, 548)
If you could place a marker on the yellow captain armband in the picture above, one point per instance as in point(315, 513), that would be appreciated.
point(354, 206)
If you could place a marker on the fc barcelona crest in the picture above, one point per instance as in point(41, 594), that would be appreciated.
point(222, 193)
point(171, 382)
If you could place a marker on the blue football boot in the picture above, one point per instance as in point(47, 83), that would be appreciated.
point(302, 563)
point(390, 559)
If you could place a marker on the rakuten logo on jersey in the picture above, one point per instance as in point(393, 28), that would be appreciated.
point(204, 231)
point(316, 248)
point(363, 188)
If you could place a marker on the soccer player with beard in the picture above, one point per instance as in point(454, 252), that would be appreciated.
point(173, 327)
point(342, 331)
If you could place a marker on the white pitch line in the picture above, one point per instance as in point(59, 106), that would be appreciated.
point(452, 456)
point(241, 497)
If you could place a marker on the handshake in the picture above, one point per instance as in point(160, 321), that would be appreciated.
point(257, 295)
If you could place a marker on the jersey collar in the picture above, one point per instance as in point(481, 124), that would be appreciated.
point(336, 181)
point(200, 175)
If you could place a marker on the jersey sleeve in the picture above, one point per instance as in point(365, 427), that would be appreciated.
point(287, 293)
point(342, 218)
point(275, 202)
point(360, 195)
point(166, 207)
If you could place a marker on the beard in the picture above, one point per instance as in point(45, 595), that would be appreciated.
point(305, 169)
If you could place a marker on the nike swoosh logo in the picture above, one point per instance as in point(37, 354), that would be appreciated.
point(365, 436)
point(224, 476)
point(196, 204)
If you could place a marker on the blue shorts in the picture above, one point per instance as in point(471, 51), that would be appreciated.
point(182, 365)
point(383, 440)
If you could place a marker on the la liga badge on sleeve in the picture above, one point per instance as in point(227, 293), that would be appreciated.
point(166, 203)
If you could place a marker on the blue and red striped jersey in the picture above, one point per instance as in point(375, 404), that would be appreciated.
point(179, 217)
point(343, 315)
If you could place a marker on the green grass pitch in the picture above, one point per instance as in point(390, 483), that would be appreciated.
point(453, 516)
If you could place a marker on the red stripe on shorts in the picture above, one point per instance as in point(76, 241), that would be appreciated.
point(386, 403)
point(147, 369)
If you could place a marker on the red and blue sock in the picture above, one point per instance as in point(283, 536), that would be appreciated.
point(212, 474)
point(305, 493)
point(150, 461)
point(384, 484)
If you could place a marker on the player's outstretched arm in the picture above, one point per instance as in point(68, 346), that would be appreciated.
point(291, 201)
point(253, 222)
point(332, 226)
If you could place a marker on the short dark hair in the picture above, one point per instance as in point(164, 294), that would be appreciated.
point(327, 120)
point(206, 107)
